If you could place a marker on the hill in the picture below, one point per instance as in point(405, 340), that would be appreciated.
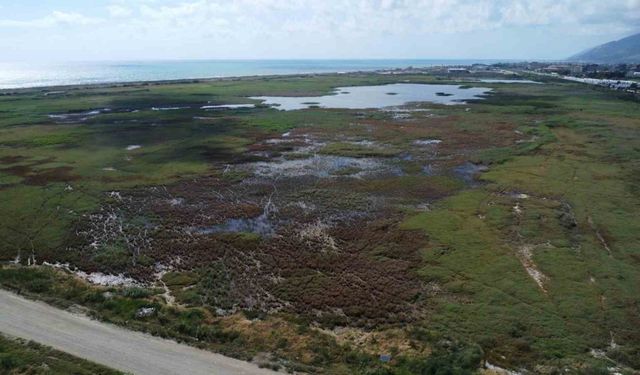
point(626, 50)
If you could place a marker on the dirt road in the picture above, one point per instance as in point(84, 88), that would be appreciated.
point(115, 347)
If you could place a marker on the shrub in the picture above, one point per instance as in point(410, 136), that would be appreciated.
point(8, 361)
point(113, 257)
point(38, 285)
point(456, 360)
point(136, 292)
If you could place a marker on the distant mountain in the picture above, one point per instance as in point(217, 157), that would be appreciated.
point(625, 50)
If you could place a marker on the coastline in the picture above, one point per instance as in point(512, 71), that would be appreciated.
point(9, 91)
point(21, 76)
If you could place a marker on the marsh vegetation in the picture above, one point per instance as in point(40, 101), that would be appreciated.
point(502, 230)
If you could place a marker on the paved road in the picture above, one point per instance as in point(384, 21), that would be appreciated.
point(115, 347)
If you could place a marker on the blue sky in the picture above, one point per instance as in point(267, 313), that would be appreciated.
point(80, 30)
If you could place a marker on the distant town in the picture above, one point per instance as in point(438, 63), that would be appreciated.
point(621, 77)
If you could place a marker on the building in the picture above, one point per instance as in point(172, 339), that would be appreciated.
point(576, 69)
point(558, 69)
point(590, 68)
point(458, 70)
point(480, 67)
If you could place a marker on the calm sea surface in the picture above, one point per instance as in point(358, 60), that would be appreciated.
point(17, 75)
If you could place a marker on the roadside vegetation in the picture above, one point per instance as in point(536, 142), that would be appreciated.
point(430, 239)
point(26, 357)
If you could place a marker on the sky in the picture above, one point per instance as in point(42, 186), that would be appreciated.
point(81, 30)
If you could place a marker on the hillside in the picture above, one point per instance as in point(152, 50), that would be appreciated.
point(626, 50)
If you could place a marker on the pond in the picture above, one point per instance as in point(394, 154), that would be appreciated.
point(379, 96)
point(509, 81)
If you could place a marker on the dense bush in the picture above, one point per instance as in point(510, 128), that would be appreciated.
point(455, 360)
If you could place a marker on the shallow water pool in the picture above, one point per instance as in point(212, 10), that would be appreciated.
point(509, 81)
point(379, 96)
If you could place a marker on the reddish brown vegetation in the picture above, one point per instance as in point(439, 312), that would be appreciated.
point(334, 253)
point(41, 177)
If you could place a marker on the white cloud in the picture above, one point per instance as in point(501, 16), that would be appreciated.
point(356, 17)
point(366, 17)
point(56, 18)
point(119, 11)
point(328, 28)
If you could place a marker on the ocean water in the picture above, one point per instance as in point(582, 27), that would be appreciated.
point(20, 75)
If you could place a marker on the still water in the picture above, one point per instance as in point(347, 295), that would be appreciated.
point(380, 96)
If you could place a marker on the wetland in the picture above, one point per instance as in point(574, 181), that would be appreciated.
point(353, 223)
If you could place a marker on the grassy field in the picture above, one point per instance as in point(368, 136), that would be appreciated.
point(21, 357)
point(440, 237)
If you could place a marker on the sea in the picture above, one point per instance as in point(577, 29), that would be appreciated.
point(31, 74)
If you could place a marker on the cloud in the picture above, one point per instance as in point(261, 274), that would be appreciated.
point(56, 18)
point(374, 17)
point(332, 28)
point(119, 11)
point(357, 18)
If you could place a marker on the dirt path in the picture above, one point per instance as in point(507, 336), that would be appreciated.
point(115, 347)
